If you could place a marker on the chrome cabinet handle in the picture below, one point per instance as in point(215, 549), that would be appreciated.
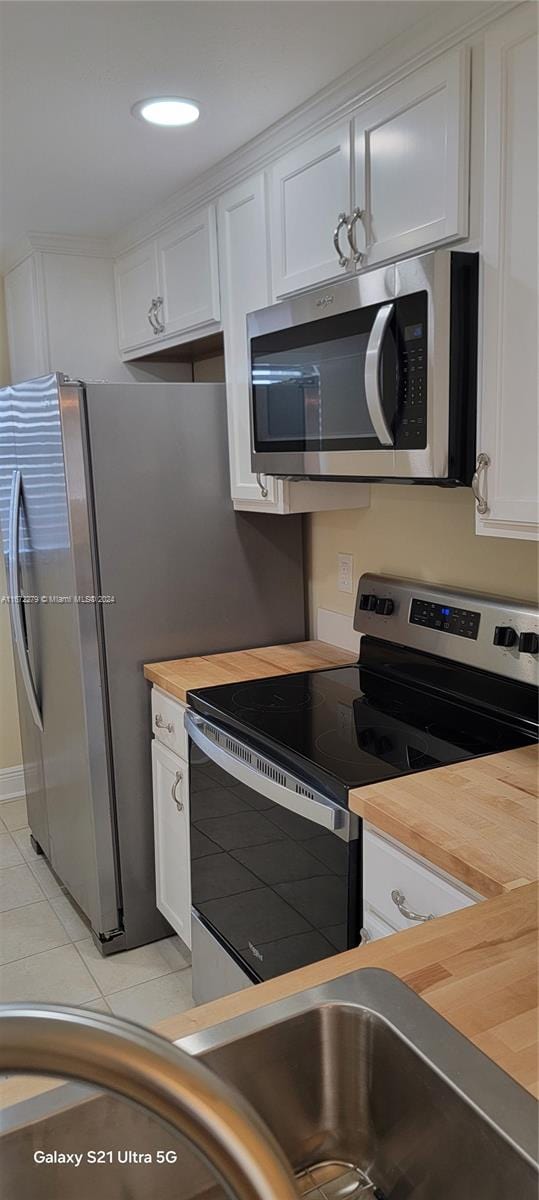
point(152, 317)
point(364, 936)
point(173, 791)
point(263, 489)
point(357, 215)
point(15, 606)
point(373, 359)
point(161, 724)
point(342, 223)
point(399, 899)
point(483, 461)
point(159, 320)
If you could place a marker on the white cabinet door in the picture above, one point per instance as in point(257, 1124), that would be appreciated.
point(411, 161)
point(310, 187)
point(508, 432)
point(188, 273)
point(136, 282)
point(245, 286)
point(27, 350)
point(171, 834)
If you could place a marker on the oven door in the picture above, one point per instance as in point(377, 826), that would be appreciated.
point(274, 865)
point(343, 380)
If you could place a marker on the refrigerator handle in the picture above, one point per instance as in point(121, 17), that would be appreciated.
point(15, 605)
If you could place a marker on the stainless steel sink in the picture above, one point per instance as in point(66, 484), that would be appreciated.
point(368, 1091)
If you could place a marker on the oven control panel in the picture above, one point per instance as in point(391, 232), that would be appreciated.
point(463, 622)
point(490, 633)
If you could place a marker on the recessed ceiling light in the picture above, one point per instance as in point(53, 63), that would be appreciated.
point(167, 110)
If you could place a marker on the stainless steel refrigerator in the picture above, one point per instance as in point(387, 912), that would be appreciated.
point(122, 547)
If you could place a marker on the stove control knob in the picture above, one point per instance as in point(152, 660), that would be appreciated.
point(368, 603)
point(504, 635)
point(528, 643)
point(384, 607)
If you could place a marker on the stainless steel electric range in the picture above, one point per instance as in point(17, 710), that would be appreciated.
point(442, 676)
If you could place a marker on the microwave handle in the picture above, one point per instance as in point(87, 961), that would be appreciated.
point(316, 809)
point(373, 360)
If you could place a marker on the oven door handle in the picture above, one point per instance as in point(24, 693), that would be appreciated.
point(317, 809)
point(373, 363)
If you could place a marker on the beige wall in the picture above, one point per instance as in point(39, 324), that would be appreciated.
point(10, 746)
point(416, 532)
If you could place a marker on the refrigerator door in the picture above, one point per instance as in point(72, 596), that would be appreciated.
point(189, 576)
point(63, 629)
point(16, 544)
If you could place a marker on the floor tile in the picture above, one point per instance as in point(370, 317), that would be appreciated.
point(67, 913)
point(153, 1001)
point(22, 838)
point(57, 976)
point(47, 880)
point(18, 886)
point(99, 1005)
point(14, 814)
point(175, 952)
point(29, 930)
point(128, 968)
point(10, 855)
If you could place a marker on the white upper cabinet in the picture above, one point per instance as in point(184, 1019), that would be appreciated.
point(507, 482)
point(411, 161)
point(403, 189)
point(188, 273)
point(245, 286)
point(169, 286)
point(310, 188)
point(137, 290)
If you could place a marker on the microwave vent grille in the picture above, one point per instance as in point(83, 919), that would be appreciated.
point(271, 772)
point(304, 791)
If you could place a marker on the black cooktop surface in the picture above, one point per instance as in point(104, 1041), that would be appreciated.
point(350, 726)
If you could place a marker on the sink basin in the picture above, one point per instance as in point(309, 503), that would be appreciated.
point(368, 1091)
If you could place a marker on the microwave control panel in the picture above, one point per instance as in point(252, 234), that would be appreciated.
point(411, 432)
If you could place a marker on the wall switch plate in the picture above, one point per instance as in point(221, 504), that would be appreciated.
point(345, 573)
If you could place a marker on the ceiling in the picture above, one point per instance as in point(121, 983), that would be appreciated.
point(73, 159)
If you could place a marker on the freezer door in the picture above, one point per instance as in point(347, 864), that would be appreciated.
point(63, 628)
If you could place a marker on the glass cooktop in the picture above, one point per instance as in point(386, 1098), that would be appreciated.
point(350, 726)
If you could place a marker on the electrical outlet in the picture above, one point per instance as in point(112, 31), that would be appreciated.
point(345, 573)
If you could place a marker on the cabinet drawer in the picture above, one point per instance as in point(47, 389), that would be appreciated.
point(388, 868)
point(167, 722)
point(374, 927)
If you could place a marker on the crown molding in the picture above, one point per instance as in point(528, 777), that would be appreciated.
point(56, 243)
point(390, 63)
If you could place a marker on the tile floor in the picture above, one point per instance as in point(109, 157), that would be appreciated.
point(47, 953)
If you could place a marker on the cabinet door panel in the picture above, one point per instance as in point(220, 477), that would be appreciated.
point(188, 273)
point(245, 286)
point(135, 275)
point(310, 186)
point(508, 417)
point(171, 835)
point(411, 151)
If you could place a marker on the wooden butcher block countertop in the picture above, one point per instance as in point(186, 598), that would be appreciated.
point(181, 675)
point(476, 967)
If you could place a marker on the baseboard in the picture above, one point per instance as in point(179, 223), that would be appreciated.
point(337, 629)
point(12, 783)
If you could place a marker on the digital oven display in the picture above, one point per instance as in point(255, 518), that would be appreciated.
point(462, 621)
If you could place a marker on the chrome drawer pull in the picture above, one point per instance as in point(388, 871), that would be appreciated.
point(482, 464)
point(399, 899)
point(161, 724)
point(342, 223)
point(178, 779)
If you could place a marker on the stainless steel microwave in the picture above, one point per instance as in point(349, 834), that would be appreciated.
point(372, 378)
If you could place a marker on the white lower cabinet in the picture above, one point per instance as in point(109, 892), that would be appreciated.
point(171, 834)
point(508, 481)
point(401, 890)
